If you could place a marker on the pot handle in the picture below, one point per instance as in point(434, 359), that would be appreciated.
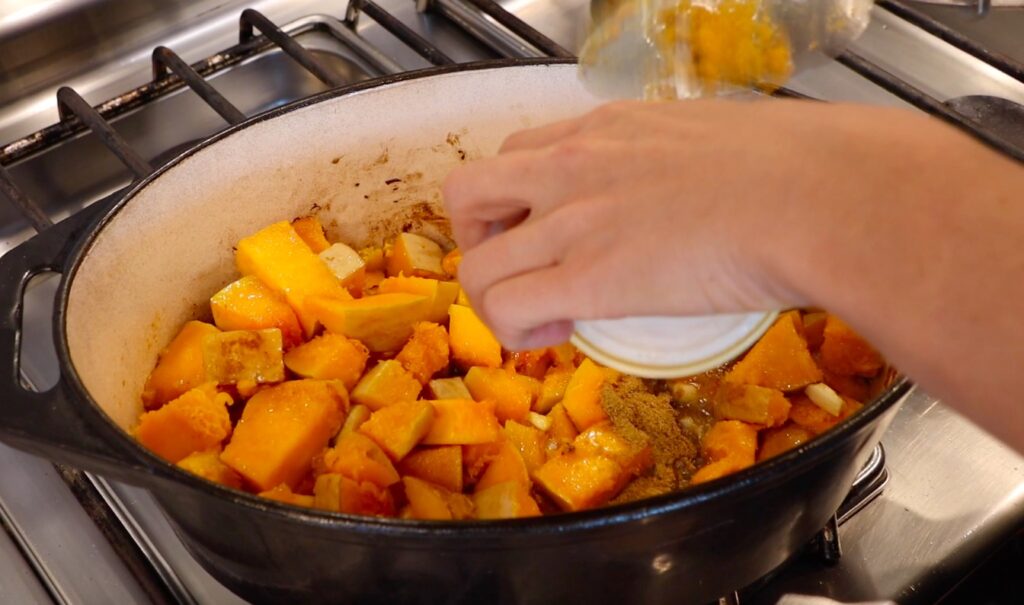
point(52, 424)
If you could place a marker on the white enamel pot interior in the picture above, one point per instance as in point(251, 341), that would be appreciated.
point(155, 263)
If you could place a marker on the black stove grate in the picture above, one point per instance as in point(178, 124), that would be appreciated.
point(494, 28)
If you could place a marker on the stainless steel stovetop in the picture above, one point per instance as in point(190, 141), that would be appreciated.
point(954, 493)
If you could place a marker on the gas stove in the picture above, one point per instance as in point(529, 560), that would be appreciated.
point(929, 508)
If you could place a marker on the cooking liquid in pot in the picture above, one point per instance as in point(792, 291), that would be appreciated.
point(406, 405)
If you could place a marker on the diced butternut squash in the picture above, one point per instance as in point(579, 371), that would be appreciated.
point(719, 469)
point(779, 360)
point(311, 232)
point(781, 440)
point(249, 304)
point(472, 343)
point(462, 422)
point(283, 493)
point(196, 421)
point(415, 255)
point(602, 440)
point(577, 482)
point(844, 352)
point(386, 384)
point(562, 427)
point(373, 256)
point(509, 500)
point(529, 441)
point(432, 502)
point(180, 366)
point(853, 387)
point(282, 428)
point(207, 465)
point(508, 465)
point(355, 419)
point(564, 357)
point(451, 261)
point(440, 465)
point(329, 357)
point(382, 322)
point(397, 428)
point(582, 398)
point(357, 457)
point(532, 386)
point(278, 256)
point(442, 294)
point(372, 282)
point(533, 363)
point(510, 396)
point(552, 390)
point(244, 356)
point(448, 388)
point(463, 299)
point(730, 439)
point(751, 403)
point(426, 352)
point(806, 414)
point(341, 494)
point(346, 264)
point(476, 458)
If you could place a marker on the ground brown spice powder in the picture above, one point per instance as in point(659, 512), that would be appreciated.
point(643, 416)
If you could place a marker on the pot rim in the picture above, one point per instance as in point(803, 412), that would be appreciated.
point(750, 480)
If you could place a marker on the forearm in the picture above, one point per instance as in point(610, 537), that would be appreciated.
point(936, 279)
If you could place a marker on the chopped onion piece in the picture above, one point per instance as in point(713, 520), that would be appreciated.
point(825, 398)
point(540, 421)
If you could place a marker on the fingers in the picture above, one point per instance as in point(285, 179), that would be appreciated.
point(542, 136)
point(499, 189)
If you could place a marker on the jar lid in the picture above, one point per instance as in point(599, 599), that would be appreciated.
point(670, 347)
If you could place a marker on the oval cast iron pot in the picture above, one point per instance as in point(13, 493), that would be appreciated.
point(134, 272)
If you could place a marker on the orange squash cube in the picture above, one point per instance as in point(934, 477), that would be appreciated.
point(451, 261)
point(508, 465)
point(510, 396)
point(426, 352)
point(781, 440)
point(472, 343)
point(577, 482)
point(397, 428)
point(373, 256)
point(602, 440)
point(432, 502)
point(311, 232)
point(462, 422)
point(529, 441)
point(282, 428)
point(582, 398)
point(509, 500)
point(329, 357)
point(244, 356)
point(780, 360)
point(845, 353)
point(415, 255)
point(719, 469)
point(440, 465)
point(194, 422)
point(476, 457)
point(806, 414)
point(853, 387)
point(355, 419)
point(730, 439)
point(814, 329)
point(249, 304)
point(448, 388)
point(562, 427)
point(382, 322)
point(341, 494)
point(207, 465)
point(357, 457)
point(750, 403)
point(442, 294)
point(552, 390)
point(281, 260)
point(179, 367)
point(283, 493)
point(386, 384)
